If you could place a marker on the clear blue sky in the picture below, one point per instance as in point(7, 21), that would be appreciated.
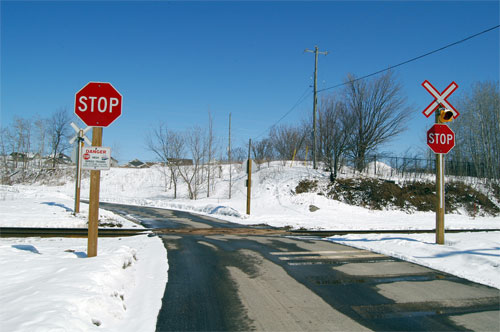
point(175, 61)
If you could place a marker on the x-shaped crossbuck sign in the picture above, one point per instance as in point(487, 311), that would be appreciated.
point(440, 98)
point(80, 134)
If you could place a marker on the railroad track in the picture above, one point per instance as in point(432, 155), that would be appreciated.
point(67, 232)
point(117, 232)
point(326, 233)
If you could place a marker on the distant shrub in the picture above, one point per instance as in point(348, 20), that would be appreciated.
point(417, 196)
point(495, 188)
point(306, 186)
point(473, 201)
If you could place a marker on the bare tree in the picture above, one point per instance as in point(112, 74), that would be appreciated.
point(168, 147)
point(4, 160)
point(262, 151)
point(379, 111)
point(478, 129)
point(211, 151)
point(286, 141)
point(58, 133)
point(335, 125)
point(41, 138)
point(22, 137)
point(238, 154)
point(194, 139)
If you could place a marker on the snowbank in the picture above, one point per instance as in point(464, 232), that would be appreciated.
point(49, 284)
point(474, 256)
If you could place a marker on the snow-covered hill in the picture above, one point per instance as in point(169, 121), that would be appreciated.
point(273, 199)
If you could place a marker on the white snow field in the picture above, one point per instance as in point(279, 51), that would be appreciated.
point(50, 285)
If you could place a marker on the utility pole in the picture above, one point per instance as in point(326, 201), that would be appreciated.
point(315, 101)
point(249, 176)
point(229, 156)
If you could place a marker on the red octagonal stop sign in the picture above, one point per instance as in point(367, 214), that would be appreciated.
point(440, 138)
point(98, 104)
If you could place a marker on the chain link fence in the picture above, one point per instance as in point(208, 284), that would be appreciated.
point(415, 168)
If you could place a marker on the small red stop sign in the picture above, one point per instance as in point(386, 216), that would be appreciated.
point(440, 138)
point(98, 104)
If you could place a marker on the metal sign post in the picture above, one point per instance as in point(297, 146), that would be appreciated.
point(79, 138)
point(78, 175)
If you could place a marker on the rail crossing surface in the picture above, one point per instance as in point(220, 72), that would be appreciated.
point(225, 276)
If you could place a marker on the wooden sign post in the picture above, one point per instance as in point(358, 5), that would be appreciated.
point(97, 104)
point(441, 140)
point(95, 183)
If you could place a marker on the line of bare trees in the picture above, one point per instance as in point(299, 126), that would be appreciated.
point(352, 126)
point(201, 145)
point(355, 122)
point(477, 129)
point(33, 143)
point(352, 123)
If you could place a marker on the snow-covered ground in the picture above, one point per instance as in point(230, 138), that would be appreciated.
point(48, 284)
point(273, 201)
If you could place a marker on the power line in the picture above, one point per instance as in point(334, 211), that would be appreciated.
point(305, 94)
point(412, 59)
point(303, 97)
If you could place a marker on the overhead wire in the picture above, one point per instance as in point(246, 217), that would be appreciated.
point(306, 94)
point(412, 59)
point(303, 97)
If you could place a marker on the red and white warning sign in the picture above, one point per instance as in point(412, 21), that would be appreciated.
point(440, 98)
point(440, 138)
point(96, 158)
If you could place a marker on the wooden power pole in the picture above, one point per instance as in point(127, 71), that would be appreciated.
point(315, 101)
point(249, 178)
point(229, 156)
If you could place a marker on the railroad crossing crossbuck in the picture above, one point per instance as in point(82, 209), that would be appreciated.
point(440, 98)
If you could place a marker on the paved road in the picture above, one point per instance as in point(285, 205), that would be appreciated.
point(244, 280)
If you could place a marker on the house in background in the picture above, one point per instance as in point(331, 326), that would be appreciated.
point(180, 162)
point(60, 158)
point(136, 163)
point(114, 162)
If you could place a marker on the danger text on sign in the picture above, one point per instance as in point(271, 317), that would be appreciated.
point(96, 158)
